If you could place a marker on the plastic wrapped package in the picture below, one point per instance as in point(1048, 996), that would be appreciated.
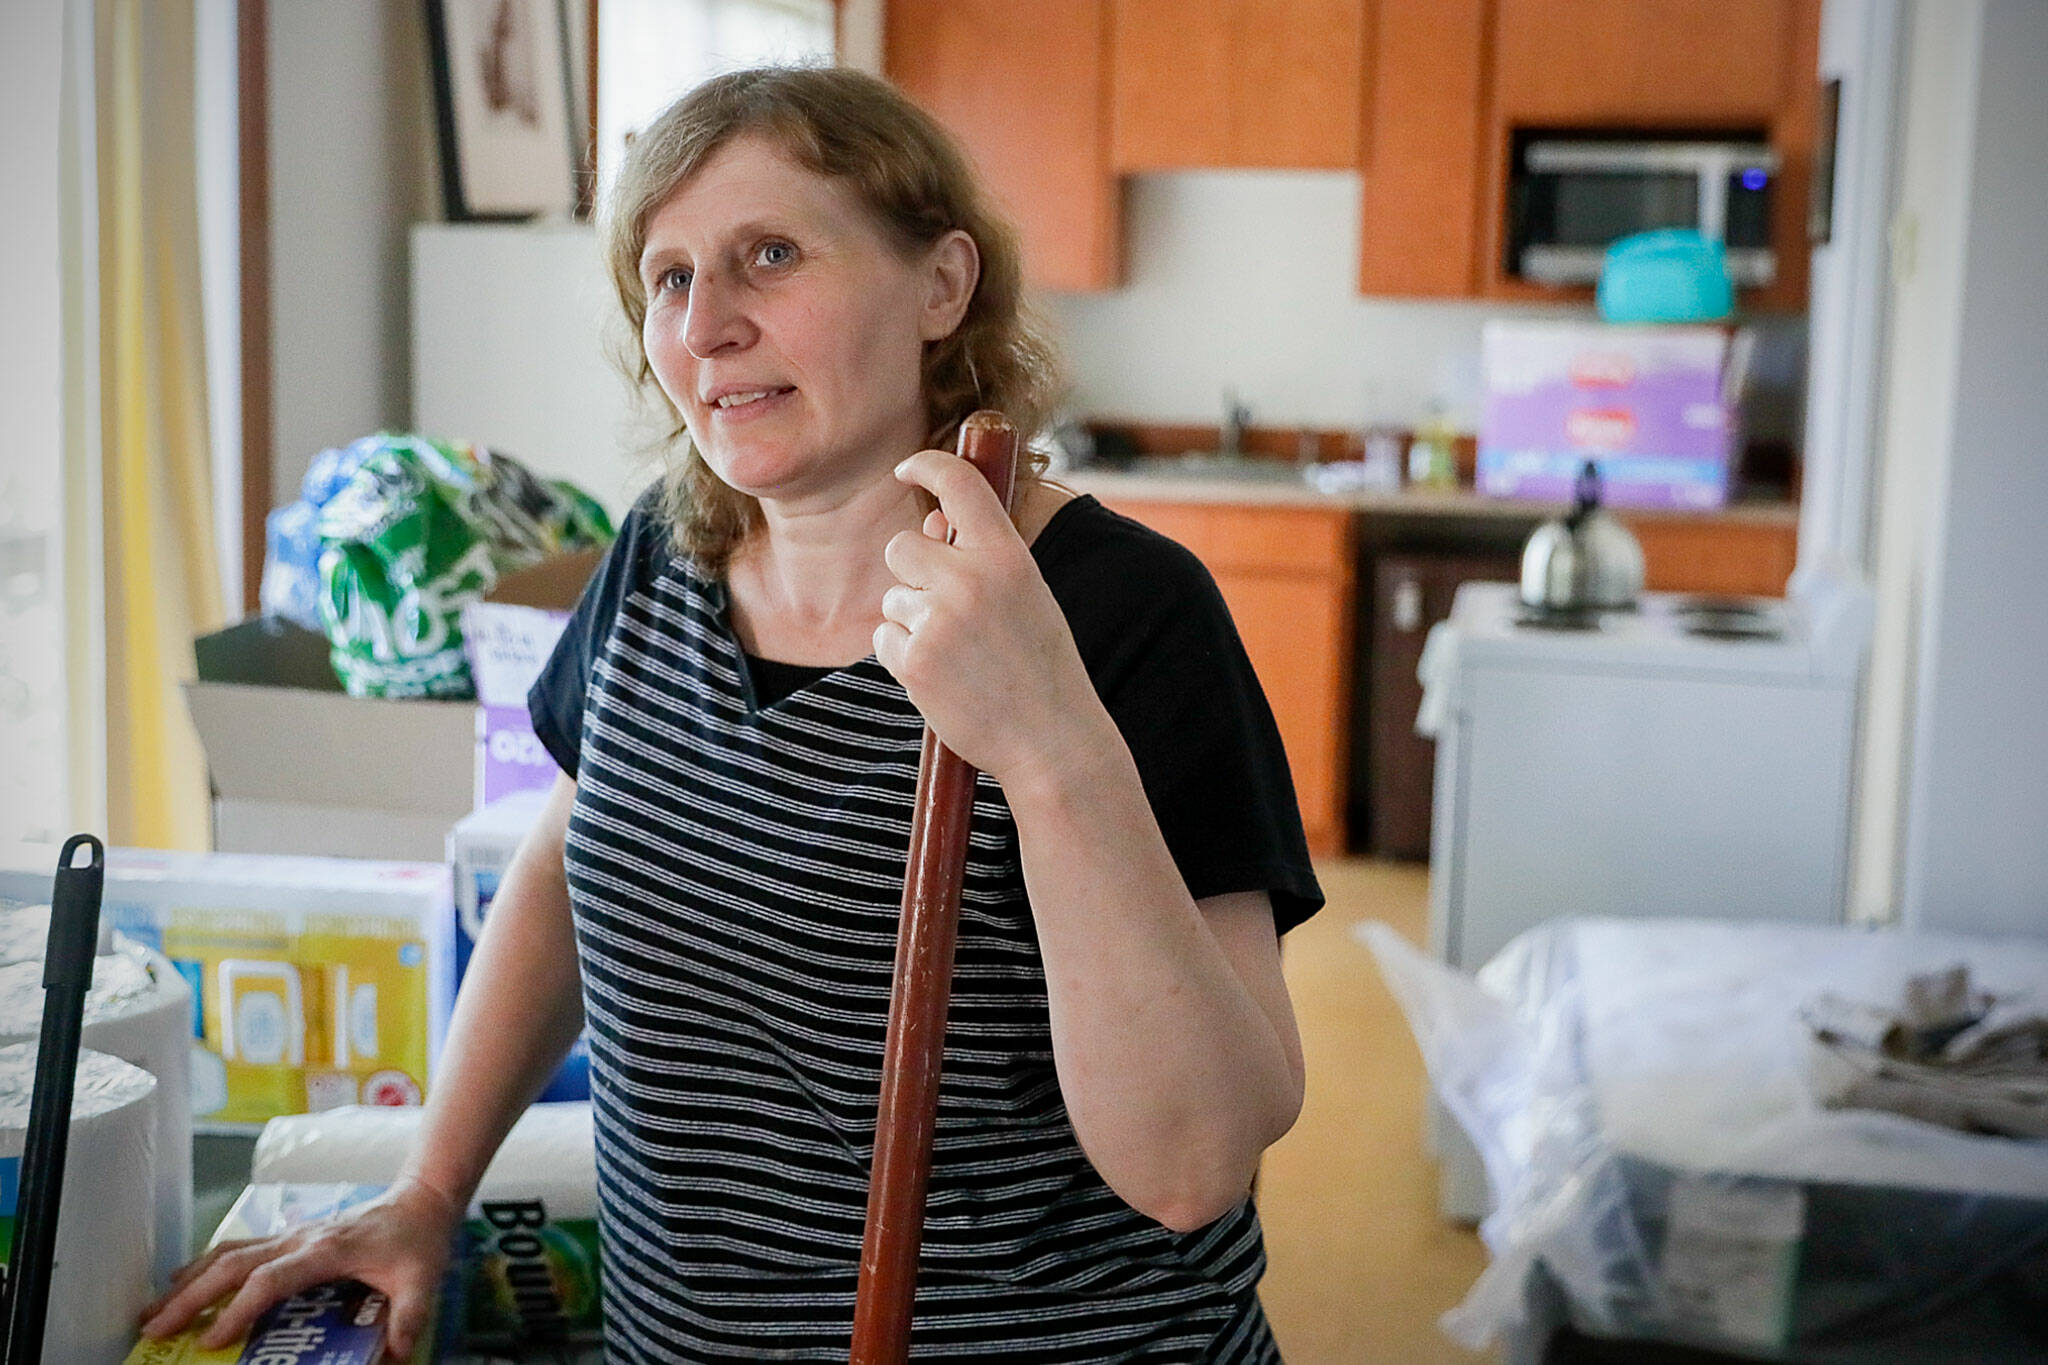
point(419, 530)
point(1639, 1095)
point(291, 560)
point(526, 1266)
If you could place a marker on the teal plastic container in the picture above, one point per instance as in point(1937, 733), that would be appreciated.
point(1670, 275)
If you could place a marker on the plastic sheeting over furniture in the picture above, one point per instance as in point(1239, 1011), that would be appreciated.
point(1638, 1092)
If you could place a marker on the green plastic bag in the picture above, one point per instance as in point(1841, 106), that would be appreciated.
point(421, 529)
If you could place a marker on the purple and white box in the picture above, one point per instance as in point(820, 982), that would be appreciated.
point(507, 646)
point(1658, 408)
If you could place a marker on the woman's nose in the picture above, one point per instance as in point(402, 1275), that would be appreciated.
point(715, 321)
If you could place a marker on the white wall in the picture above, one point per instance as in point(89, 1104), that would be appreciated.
point(1859, 42)
point(217, 134)
point(1977, 818)
point(1937, 93)
point(34, 794)
point(1247, 280)
point(351, 120)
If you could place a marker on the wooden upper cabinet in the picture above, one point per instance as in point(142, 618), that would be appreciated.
point(1450, 82)
point(1425, 121)
point(1238, 83)
point(1025, 90)
point(1606, 62)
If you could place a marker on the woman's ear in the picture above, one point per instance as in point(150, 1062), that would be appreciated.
point(953, 269)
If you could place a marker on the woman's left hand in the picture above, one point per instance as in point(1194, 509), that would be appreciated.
point(974, 635)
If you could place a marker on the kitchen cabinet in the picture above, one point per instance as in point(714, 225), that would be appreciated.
point(1451, 82)
point(1025, 90)
point(1721, 555)
point(1419, 235)
point(1271, 83)
point(1287, 573)
point(1604, 63)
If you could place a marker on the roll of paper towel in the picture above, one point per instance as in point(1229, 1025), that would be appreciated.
point(139, 1009)
point(25, 934)
point(101, 1281)
point(551, 1153)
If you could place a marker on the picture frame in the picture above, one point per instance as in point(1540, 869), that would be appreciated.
point(509, 132)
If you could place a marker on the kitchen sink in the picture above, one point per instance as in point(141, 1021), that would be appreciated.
point(1208, 465)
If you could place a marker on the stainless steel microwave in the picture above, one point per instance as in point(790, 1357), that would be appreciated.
point(1570, 198)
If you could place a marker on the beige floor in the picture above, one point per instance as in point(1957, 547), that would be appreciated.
point(1361, 1266)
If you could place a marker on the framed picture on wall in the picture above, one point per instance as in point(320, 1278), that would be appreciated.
point(509, 144)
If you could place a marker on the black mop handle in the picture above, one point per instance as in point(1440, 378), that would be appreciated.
point(67, 972)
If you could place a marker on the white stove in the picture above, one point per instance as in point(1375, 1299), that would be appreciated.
point(1689, 757)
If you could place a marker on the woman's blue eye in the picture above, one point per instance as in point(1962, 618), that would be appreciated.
point(673, 278)
point(776, 253)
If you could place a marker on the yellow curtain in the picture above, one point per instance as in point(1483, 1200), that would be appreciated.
point(162, 585)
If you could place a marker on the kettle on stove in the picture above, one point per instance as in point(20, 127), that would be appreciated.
point(1585, 561)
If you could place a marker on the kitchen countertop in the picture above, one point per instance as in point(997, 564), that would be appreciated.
point(1274, 490)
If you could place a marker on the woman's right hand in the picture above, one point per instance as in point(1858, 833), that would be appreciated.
point(398, 1243)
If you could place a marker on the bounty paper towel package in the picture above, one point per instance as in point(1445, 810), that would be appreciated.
point(100, 1280)
point(480, 847)
point(138, 1009)
point(313, 979)
point(527, 1268)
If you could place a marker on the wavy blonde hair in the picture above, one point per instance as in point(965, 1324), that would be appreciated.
point(915, 182)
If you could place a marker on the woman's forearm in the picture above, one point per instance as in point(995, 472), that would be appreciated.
point(1176, 1077)
point(518, 1012)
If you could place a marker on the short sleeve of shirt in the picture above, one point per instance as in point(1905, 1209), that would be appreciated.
point(1166, 660)
point(556, 699)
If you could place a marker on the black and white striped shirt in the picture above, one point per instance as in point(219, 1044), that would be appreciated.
point(736, 867)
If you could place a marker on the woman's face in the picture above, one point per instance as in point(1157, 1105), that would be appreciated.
point(786, 330)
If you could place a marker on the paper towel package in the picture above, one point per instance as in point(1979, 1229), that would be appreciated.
point(506, 645)
point(528, 1261)
point(138, 1009)
point(313, 979)
point(480, 848)
point(1657, 407)
point(105, 1239)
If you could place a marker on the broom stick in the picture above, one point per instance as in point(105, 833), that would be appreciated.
point(923, 988)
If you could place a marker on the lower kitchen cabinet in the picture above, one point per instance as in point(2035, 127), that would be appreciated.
point(1716, 554)
point(1288, 576)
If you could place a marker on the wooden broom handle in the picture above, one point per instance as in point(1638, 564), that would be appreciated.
point(917, 1002)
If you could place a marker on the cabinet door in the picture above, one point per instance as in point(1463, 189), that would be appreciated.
point(1751, 559)
point(1421, 170)
point(1024, 88)
point(1287, 575)
point(1562, 62)
point(1297, 632)
point(1242, 83)
point(1170, 65)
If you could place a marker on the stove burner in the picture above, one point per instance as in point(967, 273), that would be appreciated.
point(1732, 626)
point(1729, 619)
point(1556, 618)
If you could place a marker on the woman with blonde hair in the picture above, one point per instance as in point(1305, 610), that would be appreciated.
point(820, 295)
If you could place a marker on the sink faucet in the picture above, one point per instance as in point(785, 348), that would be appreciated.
point(1230, 439)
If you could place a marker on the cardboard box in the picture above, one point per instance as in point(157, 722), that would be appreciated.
point(300, 767)
point(1658, 408)
point(316, 982)
point(480, 848)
